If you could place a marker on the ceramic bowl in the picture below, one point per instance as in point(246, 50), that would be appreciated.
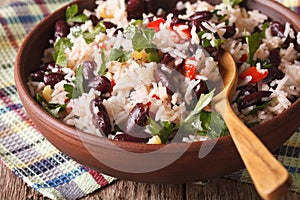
point(172, 163)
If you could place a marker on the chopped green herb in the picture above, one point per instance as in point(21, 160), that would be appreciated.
point(253, 42)
point(102, 69)
point(163, 130)
point(203, 101)
point(141, 38)
point(71, 15)
point(138, 22)
point(76, 31)
point(205, 123)
point(77, 90)
point(69, 89)
point(265, 64)
point(213, 124)
point(218, 43)
point(53, 109)
point(221, 18)
point(39, 99)
point(59, 51)
point(204, 41)
point(260, 107)
point(119, 55)
point(153, 55)
point(89, 37)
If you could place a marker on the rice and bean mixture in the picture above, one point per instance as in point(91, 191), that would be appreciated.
point(128, 72)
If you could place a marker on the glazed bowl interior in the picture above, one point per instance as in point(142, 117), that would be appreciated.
point(140, 162)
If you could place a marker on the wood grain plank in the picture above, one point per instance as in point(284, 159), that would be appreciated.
point(220, 189)
point(132, 190)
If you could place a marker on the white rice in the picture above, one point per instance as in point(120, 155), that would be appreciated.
point(135, 82)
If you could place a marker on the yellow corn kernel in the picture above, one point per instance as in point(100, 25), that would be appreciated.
point(47, 92)
point(155, 140)
point(104, 14)
point(142, 56)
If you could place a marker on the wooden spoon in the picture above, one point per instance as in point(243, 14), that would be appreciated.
point(270, 178)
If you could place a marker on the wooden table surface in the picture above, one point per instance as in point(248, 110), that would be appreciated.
point(13, 188)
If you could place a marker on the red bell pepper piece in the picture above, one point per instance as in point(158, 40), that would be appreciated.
point(189, 69)
point(256, 74)
point(155, 24)
point(186, 31)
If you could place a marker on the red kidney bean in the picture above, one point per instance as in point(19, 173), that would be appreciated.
point(129, 138)
point(201, 16)
point(200, 88)
point(287, 42)
point(109, 25)
point(38, 76)
point(198, 25)
point(166, 79)
point(135, 9)
point(277, 29)
point(177, 20)
point(88, 68)
point(230, 31)
point(274, 74)
point(94, 20)
point(252, 99)
point(53, 78)
point(61, 29)
point(100, 83)
point(251, 88)
point(117, 30)
point(101, 119)
point(274, 57)
point(169, 61)
point(137, 119)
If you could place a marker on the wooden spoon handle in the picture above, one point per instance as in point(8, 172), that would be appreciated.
point(270, 178)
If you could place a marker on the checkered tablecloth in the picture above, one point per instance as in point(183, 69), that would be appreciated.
point(29, 155)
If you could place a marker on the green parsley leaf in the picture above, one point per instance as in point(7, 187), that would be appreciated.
point(265, 64)
point(253, 42)
point(163, 130)
point(59, 51)
point(71, 15)
point(77, 90)
point(119, 55)
point(153, 55)
point(89, 37)
point(40, 99)
point(102, 69)
point(140, 38)
point(204, 41)
point(69, 89)
point(203, 101)
point(213, 124)
point(71, 11)
point(53, 109)
point(260, 107)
